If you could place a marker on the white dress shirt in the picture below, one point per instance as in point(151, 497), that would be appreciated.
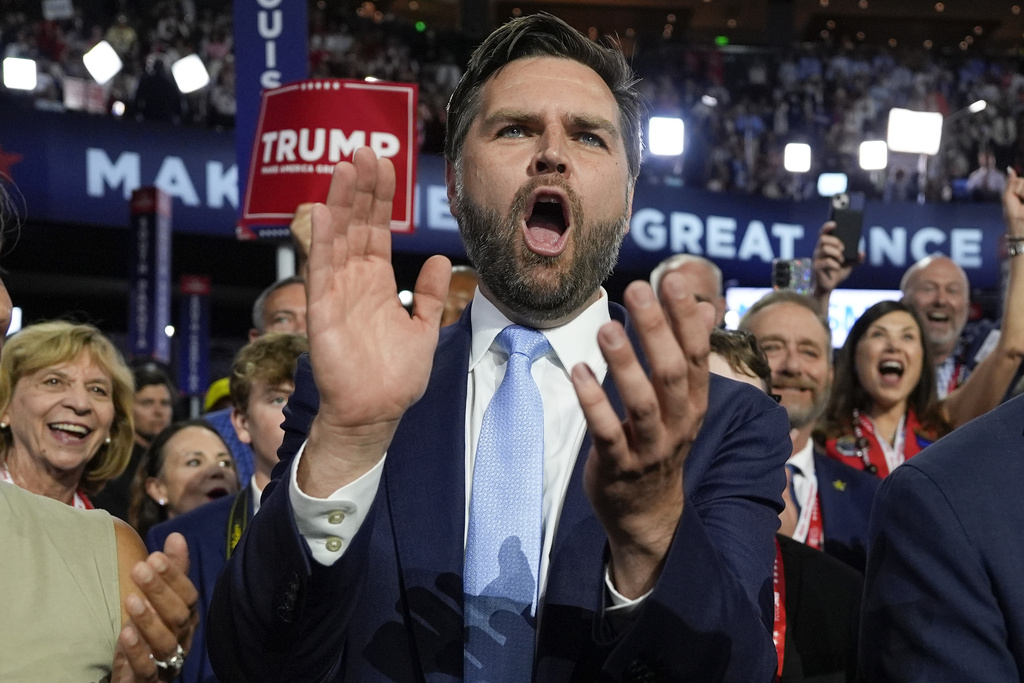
point(805, 484)
point(328, 525)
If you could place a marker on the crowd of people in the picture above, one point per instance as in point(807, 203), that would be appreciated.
point(517, 478)
point(741, 104)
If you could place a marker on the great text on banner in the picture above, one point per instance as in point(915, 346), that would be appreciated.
point(194, 349)
point(149, 277)
point(306, 128)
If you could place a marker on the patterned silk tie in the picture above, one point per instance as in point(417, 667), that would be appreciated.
point(503, 545)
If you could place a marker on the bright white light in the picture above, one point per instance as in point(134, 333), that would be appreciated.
point(117, 108)
point(15, 320)
point(874, 155)
point(914, 132)
point(102, 62)
point(977, 106)
point(797, 157)
point(832, 183)
point(371, 79)
point(405, 296)
point(190, 74)
point(709, 101)
point(666, 135)
point(19, 74)
point(169, 331)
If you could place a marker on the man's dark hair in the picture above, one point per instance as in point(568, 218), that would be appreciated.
point(149, 375)
point(258, 314)
point(740, 350)
point(543, 35)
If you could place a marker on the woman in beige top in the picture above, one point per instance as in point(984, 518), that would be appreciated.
point(83, 601)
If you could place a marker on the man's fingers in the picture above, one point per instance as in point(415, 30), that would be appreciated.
point(368, 169)
point(665, 356)
point(642, 397)
point(690, 324)
point(602, 421)
point(432, 290)
point(380, 211)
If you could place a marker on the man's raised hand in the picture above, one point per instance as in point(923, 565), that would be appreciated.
point(371, 359)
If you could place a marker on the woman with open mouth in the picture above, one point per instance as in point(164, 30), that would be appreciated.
point(186, 465)
point(883, 408)
point(65, 411)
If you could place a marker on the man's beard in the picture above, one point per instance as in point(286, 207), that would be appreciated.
point(539, 288)
point(801, 416)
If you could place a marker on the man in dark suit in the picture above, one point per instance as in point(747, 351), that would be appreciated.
point(817, 601)
point(357, 566)
point(261, 381)
point(944, 595)
point(828, 503)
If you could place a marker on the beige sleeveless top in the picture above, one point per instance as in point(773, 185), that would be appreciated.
point(61, 611)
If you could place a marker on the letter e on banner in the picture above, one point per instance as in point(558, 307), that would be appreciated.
point(308, 126)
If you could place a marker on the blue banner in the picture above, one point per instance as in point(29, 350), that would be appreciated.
point(194, 335)
point(149, 277)
point(79, 169)
point(271, 49)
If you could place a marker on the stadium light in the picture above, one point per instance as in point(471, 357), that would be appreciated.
point(102, 62)
point(977, 106)
point(190, 74)
point(19, 74)
point(832, 184)
point(667, 136)
point(914, 132)
point(797, 157)
point(874, 155)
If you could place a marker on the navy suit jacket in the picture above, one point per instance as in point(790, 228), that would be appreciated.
point(846, 495)
point(391, 607)
point(205, 530)
point(944, 589)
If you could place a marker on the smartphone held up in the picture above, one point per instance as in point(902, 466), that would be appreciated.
point(846, 209)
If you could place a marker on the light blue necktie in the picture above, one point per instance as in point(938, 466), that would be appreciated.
point(503, 545)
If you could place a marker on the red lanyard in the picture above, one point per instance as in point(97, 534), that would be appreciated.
point(815, 533)
point(779, 626)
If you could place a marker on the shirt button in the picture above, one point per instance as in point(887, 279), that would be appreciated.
point(336, 517)
point(334, 544)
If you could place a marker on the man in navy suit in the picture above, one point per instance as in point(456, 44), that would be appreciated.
point(829, 503)
point(661, 487)
point(944, 593)
point(261, 380)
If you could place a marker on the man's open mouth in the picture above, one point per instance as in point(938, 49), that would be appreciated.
point(548, 219)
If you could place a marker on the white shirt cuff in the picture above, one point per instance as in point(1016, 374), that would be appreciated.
point(328, 524)
point(620, 603)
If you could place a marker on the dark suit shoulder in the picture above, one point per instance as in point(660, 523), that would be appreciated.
point(823, 601)
point(207, 521)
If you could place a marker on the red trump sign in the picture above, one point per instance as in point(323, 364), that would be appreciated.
point(307, 127)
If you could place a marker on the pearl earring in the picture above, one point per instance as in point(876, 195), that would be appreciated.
point(3, 425)
point(161, 502)
point(107, 441)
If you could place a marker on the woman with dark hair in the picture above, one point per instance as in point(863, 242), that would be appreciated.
point(883, 408)
point(186, 465)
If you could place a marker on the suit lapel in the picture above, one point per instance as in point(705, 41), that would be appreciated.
point(424, 490)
